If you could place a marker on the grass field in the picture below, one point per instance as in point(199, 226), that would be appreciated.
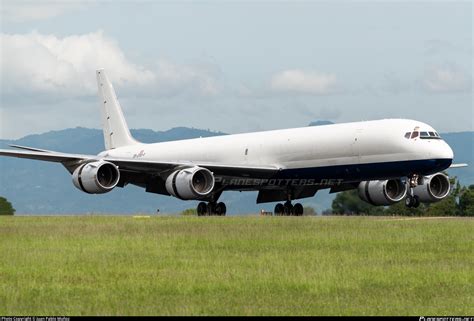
point(88, 265)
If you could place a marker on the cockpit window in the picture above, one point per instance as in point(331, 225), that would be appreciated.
point(429, 135)
point(422, 135)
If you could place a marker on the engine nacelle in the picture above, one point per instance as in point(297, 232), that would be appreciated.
point(382, 192)
point(434, 188)
point(190, 183)
point(96, 177)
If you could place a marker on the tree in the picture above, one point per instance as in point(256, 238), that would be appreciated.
point(6, 207)
point(309, 211)
point(327, 211)
point(466, 201)
point(445, 207)
point(189, 212)
point(349, 203)
point(401, 209)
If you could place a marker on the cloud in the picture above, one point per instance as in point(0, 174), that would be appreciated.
point(393, 83)
point(445, 78)
point(198, 79)
point(36, 63)
point(442, 47)
point(304, 82)
point(46, 66)
point(21, 11)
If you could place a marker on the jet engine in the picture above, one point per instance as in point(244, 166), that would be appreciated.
point(96, 177)
point(434, 188)
point(190, 183)
point(382, 192)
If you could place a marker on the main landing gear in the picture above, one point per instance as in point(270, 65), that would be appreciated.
point(287, 209)
point(211, 208)
point(412, 200)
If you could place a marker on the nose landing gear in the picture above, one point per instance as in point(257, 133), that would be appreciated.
point(412, 200)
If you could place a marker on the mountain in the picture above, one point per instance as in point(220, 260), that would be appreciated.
point(320, 123)
point(36, 187)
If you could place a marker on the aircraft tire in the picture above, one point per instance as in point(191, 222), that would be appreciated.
point(279, 208)
point(298, 209)
point(202, 209)
point(220, 209)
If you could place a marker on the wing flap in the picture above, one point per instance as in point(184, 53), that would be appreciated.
point(216, 168)
point(31, 149)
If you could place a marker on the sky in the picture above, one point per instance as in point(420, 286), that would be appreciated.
point(235, 66)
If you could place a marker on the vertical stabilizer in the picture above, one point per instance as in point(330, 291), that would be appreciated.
point(116, 132)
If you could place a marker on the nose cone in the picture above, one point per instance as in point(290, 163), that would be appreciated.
point(445, 152)
point(443, 158)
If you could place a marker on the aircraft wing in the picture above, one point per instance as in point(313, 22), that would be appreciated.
point(458, 165)
point(32, 149)
point(141, 166)
point(47, 156)
point(217, 168)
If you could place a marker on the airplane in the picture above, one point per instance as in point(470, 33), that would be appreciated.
point(386, 160)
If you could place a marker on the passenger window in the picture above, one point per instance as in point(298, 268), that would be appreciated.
point(432, 134)
point(407, 135)
point(414, 135)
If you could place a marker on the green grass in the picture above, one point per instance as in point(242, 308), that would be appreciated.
point(88, 265)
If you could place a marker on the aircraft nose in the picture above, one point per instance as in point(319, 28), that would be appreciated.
point(445, 151)
point(443, 156)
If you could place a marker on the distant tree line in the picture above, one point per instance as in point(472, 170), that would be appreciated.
point(460, 202)
point(6, 207)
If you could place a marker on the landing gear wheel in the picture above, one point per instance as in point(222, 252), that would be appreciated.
point(298, 209)
point(211, 209)
point(416, 201)
point(279, 208)
point(220, 209)
point(288, 209)
point(409, 201)
point(202, 209)
point(412, 201)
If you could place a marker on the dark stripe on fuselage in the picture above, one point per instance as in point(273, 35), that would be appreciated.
point(372, 171)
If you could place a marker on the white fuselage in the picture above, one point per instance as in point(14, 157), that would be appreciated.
point(373, 156)
point(358, 143)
